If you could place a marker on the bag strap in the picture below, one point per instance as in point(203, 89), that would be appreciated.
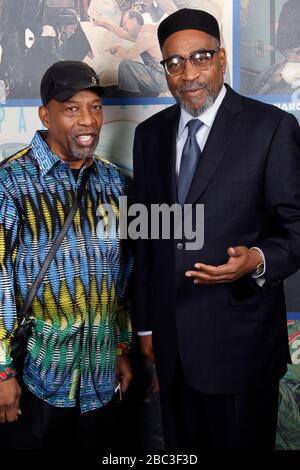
point(81, 190)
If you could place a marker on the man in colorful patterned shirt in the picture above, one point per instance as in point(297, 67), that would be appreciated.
point(81, 324)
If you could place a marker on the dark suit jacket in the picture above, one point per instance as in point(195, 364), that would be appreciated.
point(231, 337)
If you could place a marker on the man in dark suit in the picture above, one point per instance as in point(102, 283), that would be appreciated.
point(216, 314)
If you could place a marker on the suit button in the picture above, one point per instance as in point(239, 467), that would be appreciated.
point(179, 246)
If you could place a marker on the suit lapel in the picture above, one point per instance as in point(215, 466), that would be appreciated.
point(222, 131)
point(167, 152)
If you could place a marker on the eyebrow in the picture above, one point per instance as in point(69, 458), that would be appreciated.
point(192, 53)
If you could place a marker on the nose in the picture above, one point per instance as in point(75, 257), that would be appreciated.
point(86, 118)
point(190, 72)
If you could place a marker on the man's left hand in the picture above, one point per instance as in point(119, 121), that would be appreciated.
point(241, 261)
point(123, 372)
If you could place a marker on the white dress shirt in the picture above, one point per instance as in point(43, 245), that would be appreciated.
point(207, 117)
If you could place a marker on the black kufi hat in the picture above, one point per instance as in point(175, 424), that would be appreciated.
point(188, 18)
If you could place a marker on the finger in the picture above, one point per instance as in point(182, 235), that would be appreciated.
point(231, 252)
point(213, 280)
point(204, 277)
point(17, 407)
point(2, 415)
point(236, 251)
point(11, 415)
point(222, 270)
point(209, 268)
point(125, 382)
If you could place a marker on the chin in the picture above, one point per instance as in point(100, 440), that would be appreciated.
point(192, 108)
point(196, 108)
point(83, 154)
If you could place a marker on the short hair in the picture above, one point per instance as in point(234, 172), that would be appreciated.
point(68, 16)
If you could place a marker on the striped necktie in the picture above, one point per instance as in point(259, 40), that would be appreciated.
point(189, 160)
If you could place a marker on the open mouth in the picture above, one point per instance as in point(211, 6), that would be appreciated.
point(86, 140)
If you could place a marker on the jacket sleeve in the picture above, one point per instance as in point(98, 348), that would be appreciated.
point(142, 247)
point(282, 196)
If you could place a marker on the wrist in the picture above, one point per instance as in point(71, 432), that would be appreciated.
point(259, 262)
point(123, 349)
point(6, 374)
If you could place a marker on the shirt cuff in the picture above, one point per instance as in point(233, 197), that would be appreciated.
point(144, 333)
point(256, 276)
point(259, 278)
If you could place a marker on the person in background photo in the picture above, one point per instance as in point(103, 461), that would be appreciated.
point(136, 78)
point(81, 330)
point(213, 318)
point(60, 38)
point(284, 76)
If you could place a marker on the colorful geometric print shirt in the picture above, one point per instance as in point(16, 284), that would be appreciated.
point(79, 312)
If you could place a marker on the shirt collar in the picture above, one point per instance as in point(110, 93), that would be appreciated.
point(207, 117)
point(43, 154)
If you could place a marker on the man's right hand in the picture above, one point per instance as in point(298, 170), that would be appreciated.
point(146, 346)
point(10, 393)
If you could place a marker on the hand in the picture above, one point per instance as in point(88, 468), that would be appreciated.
point(10, 393)
point(95, 16)
point(98, 19)
point(112, 50)
point(123, 372)
point(241, 261)
point(48, 31)
point(146, 346)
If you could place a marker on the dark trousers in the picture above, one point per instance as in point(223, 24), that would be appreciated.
point(195, 421)
point(43, 427)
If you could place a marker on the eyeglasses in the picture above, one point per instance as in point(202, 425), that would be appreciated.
point(201, 60)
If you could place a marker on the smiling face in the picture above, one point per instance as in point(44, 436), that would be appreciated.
point(73, 126)
point(195, 90)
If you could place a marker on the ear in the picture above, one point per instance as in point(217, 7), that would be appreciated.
point(44, 116)
point(223, 60)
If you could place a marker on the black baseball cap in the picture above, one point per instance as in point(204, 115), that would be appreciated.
point(66, 78)
point(187, 18)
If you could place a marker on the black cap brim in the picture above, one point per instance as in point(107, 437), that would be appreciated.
point(66, 94)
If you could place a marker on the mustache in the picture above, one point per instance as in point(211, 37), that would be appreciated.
point(84, 130)
point(194, 86)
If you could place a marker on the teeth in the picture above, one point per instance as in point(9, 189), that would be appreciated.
point(84, 138)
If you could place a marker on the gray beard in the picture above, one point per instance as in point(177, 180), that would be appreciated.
point(188, 107)
point(82, 154)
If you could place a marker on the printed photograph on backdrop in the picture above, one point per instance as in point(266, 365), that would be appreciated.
point(270, 47)
point(118, 38)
